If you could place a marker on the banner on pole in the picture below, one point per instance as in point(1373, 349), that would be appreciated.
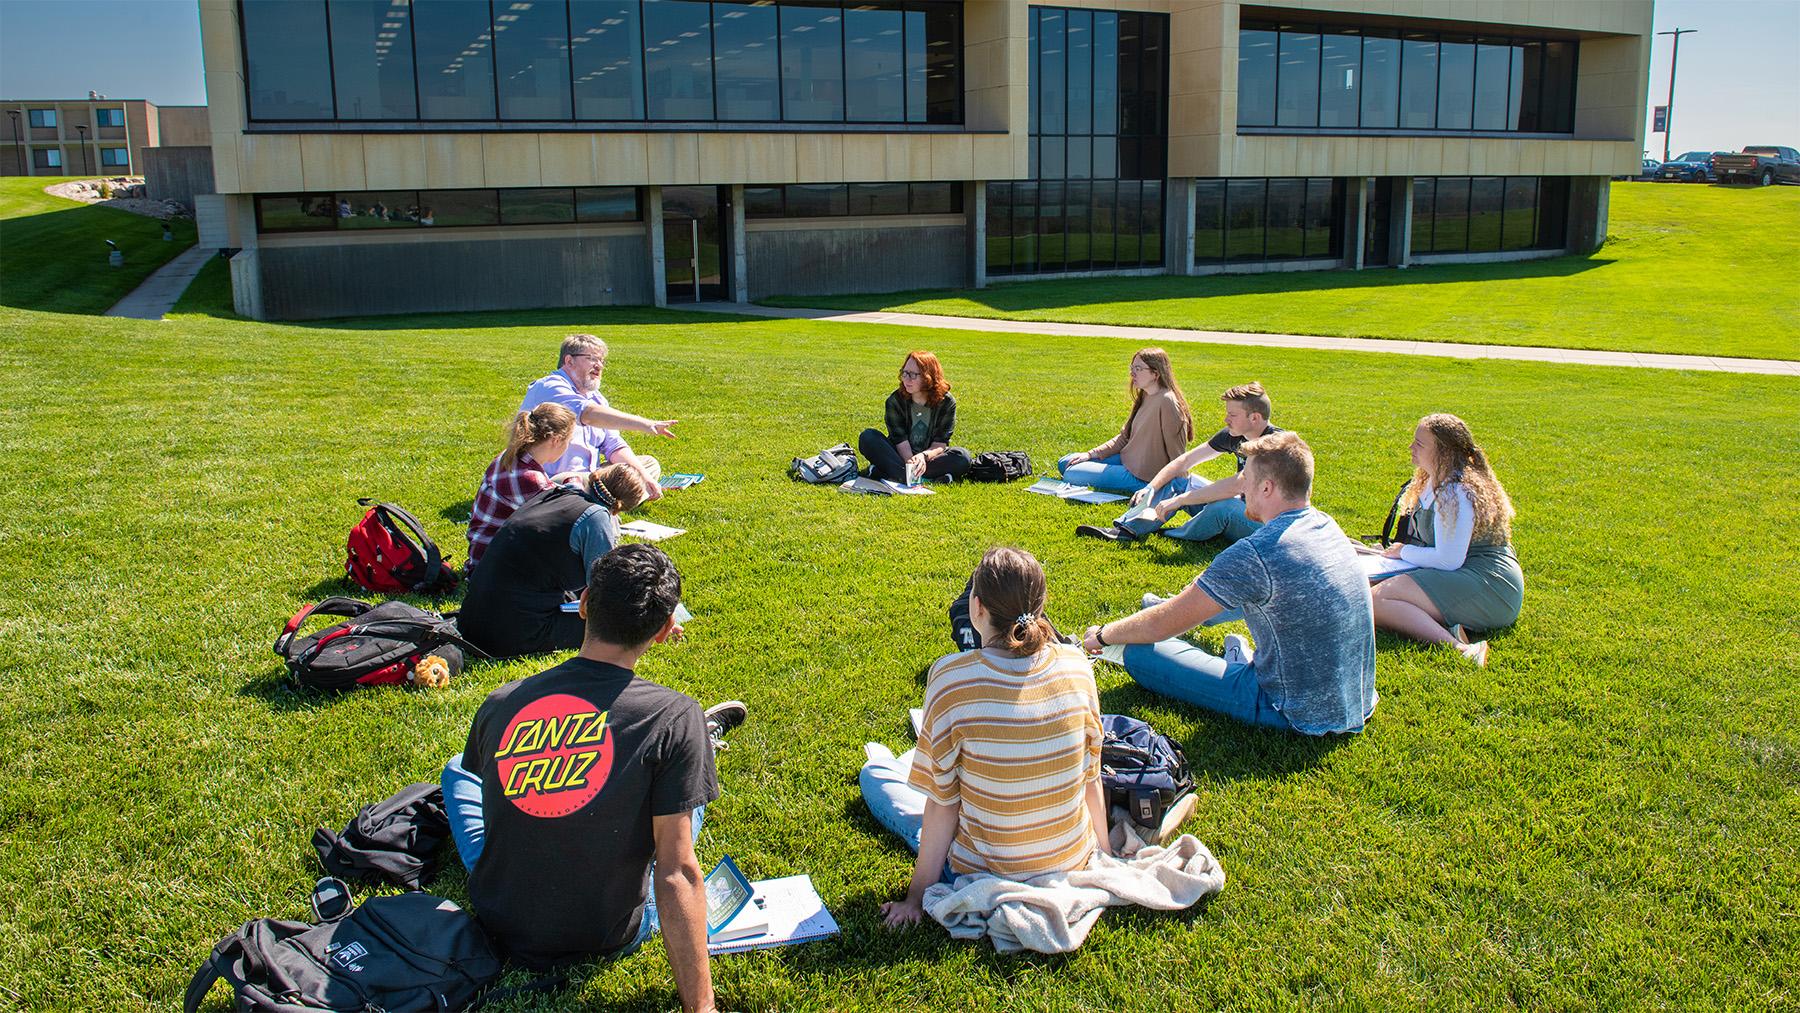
point(1661, 117)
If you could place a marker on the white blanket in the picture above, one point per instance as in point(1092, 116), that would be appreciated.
point(1054, 913)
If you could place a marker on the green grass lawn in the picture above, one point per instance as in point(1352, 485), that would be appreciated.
point(53, 254)
point(1602, 819)
point(1704, 270)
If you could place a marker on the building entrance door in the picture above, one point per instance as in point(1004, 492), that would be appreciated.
point(1377, 222)
point(694, 243)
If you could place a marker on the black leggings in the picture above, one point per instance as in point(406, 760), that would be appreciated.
point(888, 463)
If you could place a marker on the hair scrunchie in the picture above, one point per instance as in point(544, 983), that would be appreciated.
point(1024, 619)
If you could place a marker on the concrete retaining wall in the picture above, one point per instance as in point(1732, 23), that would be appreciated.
point(311, 281)
point(177, 174)
point(831, 256)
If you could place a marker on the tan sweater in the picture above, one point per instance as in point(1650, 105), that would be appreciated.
point(1151, 439)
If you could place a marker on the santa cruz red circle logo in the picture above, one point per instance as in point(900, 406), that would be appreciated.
point(555, 755)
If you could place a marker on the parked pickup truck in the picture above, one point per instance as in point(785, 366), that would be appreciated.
point(1761, 165)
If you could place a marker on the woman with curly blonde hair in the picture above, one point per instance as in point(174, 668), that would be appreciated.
point(1467, 576)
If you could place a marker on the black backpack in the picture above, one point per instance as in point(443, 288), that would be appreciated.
point(1398, 527)
point(376, 645)
point(407, 952)
point(396, 840)
point(1144, 772)
point(831, 466)
point(1000, 466)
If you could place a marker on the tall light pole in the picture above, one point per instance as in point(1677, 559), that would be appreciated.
point(19, 148)
point(86, 166)
point(1669, 110)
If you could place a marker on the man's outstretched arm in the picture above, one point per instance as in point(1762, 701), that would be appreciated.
point(681, 904)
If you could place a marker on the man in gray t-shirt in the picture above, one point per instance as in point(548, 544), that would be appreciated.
point(1304, 596)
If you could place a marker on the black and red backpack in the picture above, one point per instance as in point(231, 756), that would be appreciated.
point(389, 552)
point(376, 645)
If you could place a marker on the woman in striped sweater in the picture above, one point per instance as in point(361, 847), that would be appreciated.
point(1006, 775)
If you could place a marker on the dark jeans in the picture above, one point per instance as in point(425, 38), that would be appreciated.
point(888, 463)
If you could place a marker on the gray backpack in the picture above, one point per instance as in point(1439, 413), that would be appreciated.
point(831, 466)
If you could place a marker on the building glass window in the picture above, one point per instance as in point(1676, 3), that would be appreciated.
point(1098, 147)
point(1347, 77)
point(1245, 203)
point(747, 61)
point(47, 158)
point(114, 156)
point(874, 60)
point(287, 68)
point(372, 60)
point(943, 63)
point(1297, 90)
point(1487, 214)
point(812, 63)
point(388, 209)
point(1209, 221)
point(531, 59)
point(454, 59)
point(107, 118)
point(936, 198)
point(837, 200)
point(1266, 220)
point(817, 200)
point(42, 117)
point(999, 228)
point(449, 208)
point(877, 199)
point(606, 59)
point(763, 202)
point(677, 59)
point(1340, 78)
point(1323, 218)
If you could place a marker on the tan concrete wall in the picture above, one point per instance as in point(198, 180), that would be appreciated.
point(183, 126)
point(994, 37)
point(1610, 94)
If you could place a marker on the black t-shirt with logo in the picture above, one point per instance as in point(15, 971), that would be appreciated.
point(574, 762)
point(1225, 443)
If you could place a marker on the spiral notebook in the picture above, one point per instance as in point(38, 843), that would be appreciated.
point(793, 913)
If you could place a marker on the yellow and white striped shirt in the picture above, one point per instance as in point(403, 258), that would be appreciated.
point(1016, 741)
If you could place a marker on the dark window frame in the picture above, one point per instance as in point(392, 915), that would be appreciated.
point(1337, 196)
point(41, 119)
point(957, 206)
point(1550, 118)
point(103, 116)
point(333, 197)
point(1543, 187)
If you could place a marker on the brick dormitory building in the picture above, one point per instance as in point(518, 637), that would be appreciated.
point(390, 156)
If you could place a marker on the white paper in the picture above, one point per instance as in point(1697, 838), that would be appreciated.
point(1072, 493)
point(795, 913)
point(917, 714)
point(1378, 565)
point(883, 487)
point(649, 531)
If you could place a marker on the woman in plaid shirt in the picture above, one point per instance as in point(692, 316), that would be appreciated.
point(539, 435)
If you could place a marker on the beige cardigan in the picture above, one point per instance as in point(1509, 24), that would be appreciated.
point(1150, 440)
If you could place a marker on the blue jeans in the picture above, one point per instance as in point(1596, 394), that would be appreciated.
point(468, 829)
point(1104, 473)
point(1178, 669)
point(895, 804)
point(1220, 517)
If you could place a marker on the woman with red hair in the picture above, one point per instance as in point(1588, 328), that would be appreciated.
point(921, 419)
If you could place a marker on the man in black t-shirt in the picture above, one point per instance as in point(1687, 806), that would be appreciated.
point(1217, 507)
point(576, 801)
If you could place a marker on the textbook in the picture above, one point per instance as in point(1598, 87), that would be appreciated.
point(680, 480)
point(733, 911)
point(883, 487)
point(649, 531)
point(793, 911)
point(1072, 493)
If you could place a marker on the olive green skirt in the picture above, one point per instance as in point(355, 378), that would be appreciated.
point(1485, 593)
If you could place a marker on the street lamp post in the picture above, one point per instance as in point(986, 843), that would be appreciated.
point(18, 146)
point(87, 167)
point(1669, 110)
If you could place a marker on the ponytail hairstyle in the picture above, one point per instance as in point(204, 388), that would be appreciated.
point(619, 486)
point(1158, 361)
point(548, 421)
point(1010, 584)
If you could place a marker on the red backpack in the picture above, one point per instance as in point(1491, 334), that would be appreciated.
point(390, 553)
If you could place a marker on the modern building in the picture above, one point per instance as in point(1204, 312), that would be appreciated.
point(92, 136)
point(392, 156)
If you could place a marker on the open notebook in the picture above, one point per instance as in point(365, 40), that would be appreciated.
point(760, 915)
point(1072, 493)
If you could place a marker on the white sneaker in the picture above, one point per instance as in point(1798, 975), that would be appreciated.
point(1476, 653)
point(1237, 650)
point(877, 753)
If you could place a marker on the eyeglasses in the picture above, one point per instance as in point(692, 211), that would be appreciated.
point(601, 359)
point(910, 374)
point(1138, 367)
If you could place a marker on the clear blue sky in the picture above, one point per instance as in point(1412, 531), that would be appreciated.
point(1738, 84)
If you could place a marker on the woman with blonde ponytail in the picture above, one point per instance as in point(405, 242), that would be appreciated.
point(1467, 575)
point(1006, 775)
point(534, 439)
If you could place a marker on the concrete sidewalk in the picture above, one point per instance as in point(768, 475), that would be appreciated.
point(1154, 335)
point(159, 292)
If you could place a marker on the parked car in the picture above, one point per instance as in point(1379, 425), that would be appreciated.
point(1690, 167)
point(1646, 170)
point(1761, 164)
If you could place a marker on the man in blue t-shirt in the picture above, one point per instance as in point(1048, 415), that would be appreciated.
point(1303, 594)
point(576, 386)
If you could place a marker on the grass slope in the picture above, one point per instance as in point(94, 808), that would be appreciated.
point(53, 250)
point(1602, 819)
point(1703, 270)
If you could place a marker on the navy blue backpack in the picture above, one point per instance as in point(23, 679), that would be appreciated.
point(1144, 771)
